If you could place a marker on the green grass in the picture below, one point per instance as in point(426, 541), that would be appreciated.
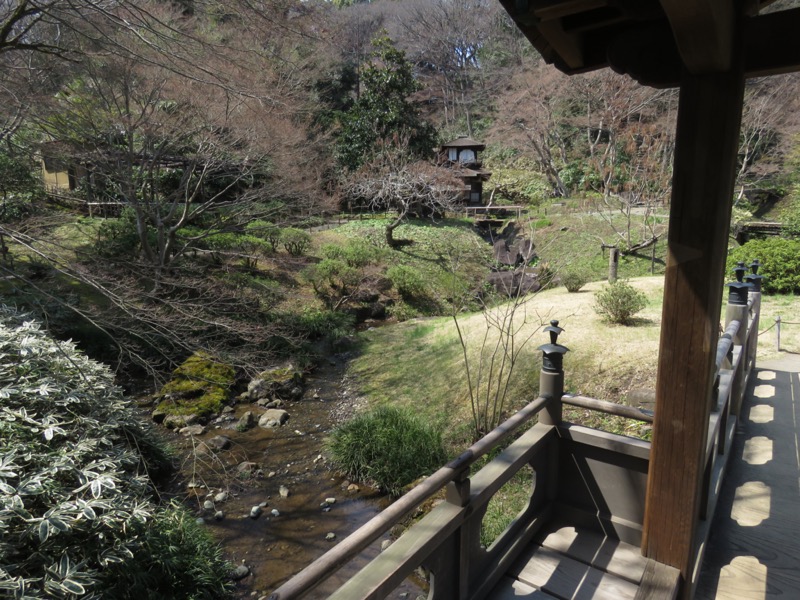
point(448, 255)
point(505, 505)
point(419, 364)
point(573, 241)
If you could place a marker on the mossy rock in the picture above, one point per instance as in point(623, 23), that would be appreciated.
point(200, 386)
point(201, 366)
point(282, 375)
point(285, 383)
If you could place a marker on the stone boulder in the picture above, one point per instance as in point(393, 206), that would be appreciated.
point(514, 283)
point(273, 418)
point(285, 383)
point(520, 252)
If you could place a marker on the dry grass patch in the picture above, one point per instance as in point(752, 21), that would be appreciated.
point(420, 363)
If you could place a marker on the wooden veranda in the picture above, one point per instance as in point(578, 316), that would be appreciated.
point(650, 504)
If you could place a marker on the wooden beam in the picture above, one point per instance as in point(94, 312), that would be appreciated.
point(709, 117)
point(770, 43)
point(703, 31)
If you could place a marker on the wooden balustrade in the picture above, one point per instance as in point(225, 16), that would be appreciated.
point(580, 475)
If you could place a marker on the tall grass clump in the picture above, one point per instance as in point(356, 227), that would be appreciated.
point(389, 447)
point(77, 508)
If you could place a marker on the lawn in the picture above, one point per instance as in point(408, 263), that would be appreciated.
point(420, 363)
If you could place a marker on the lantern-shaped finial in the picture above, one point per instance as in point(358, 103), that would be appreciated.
point(553, 353)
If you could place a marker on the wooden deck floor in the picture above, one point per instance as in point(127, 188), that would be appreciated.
point(565, 563)
point(754, 549)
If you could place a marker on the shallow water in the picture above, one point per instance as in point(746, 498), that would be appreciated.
point(276, 547)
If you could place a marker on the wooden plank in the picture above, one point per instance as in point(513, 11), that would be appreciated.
point(659, 582)
point(599, 551)
point(391, 567)
point(486, 482)
point(512, 589)
point(709, 117)
point(748, 557)
point(499, 560)
point(619, 444)
point(564, 577)
point(703, 30)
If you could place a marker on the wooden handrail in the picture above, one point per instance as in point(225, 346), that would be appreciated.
point(726, 342)
point(611, 408)
point(315, 573)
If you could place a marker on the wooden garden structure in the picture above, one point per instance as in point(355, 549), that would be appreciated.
point(657, 498)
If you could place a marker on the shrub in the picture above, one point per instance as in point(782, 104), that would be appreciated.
point(332, 280)
point(295, 241)
point(266, 231)
point(356, 253)
point(618, 302)
point(402, 311)
point(77, 506)
point(388, 446)
point(574, 280)
point(407, 280)
point(118, 238)
point(247, 247)
point(315, 323)
point(780, 263)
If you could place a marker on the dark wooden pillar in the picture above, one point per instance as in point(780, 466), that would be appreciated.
point(707, 139)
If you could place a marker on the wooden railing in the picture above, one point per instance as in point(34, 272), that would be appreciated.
point(735, 360)
point(579, 474)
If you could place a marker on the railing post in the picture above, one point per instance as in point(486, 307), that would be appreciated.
point(452, 579)
point(551, 378)
point(755, 295)
point(737, 311)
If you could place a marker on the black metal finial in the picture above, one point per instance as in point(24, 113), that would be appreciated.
point(754, 278)
point(554, 330)
point(737, 290)
point(553, 353)
point(740, 270)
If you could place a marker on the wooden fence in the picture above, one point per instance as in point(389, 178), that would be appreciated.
point(581, 475)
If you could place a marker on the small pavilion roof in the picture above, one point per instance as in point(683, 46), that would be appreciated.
point(464, 142)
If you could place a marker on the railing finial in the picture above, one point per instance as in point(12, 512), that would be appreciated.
point(553, 353)
point(737, 290)
point(754, 277)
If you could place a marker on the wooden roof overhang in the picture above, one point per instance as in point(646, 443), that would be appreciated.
point(707, 48)
point(652, 40)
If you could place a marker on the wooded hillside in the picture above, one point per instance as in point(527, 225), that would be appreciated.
point(196, 130)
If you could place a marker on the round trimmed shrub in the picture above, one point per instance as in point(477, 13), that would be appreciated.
point(617, 302)
point(295, 241)
point(574, 280)
point(389, 447)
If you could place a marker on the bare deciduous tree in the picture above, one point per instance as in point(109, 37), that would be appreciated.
point(394, 181)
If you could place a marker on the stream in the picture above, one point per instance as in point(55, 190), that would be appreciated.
point(296, 526)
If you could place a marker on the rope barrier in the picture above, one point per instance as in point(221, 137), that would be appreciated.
point(760, 333)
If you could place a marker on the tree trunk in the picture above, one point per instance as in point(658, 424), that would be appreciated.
point(393, 243)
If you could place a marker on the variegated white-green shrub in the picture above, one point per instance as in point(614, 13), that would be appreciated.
point(78, 517)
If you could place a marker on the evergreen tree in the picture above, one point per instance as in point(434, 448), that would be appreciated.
point(383, 110)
